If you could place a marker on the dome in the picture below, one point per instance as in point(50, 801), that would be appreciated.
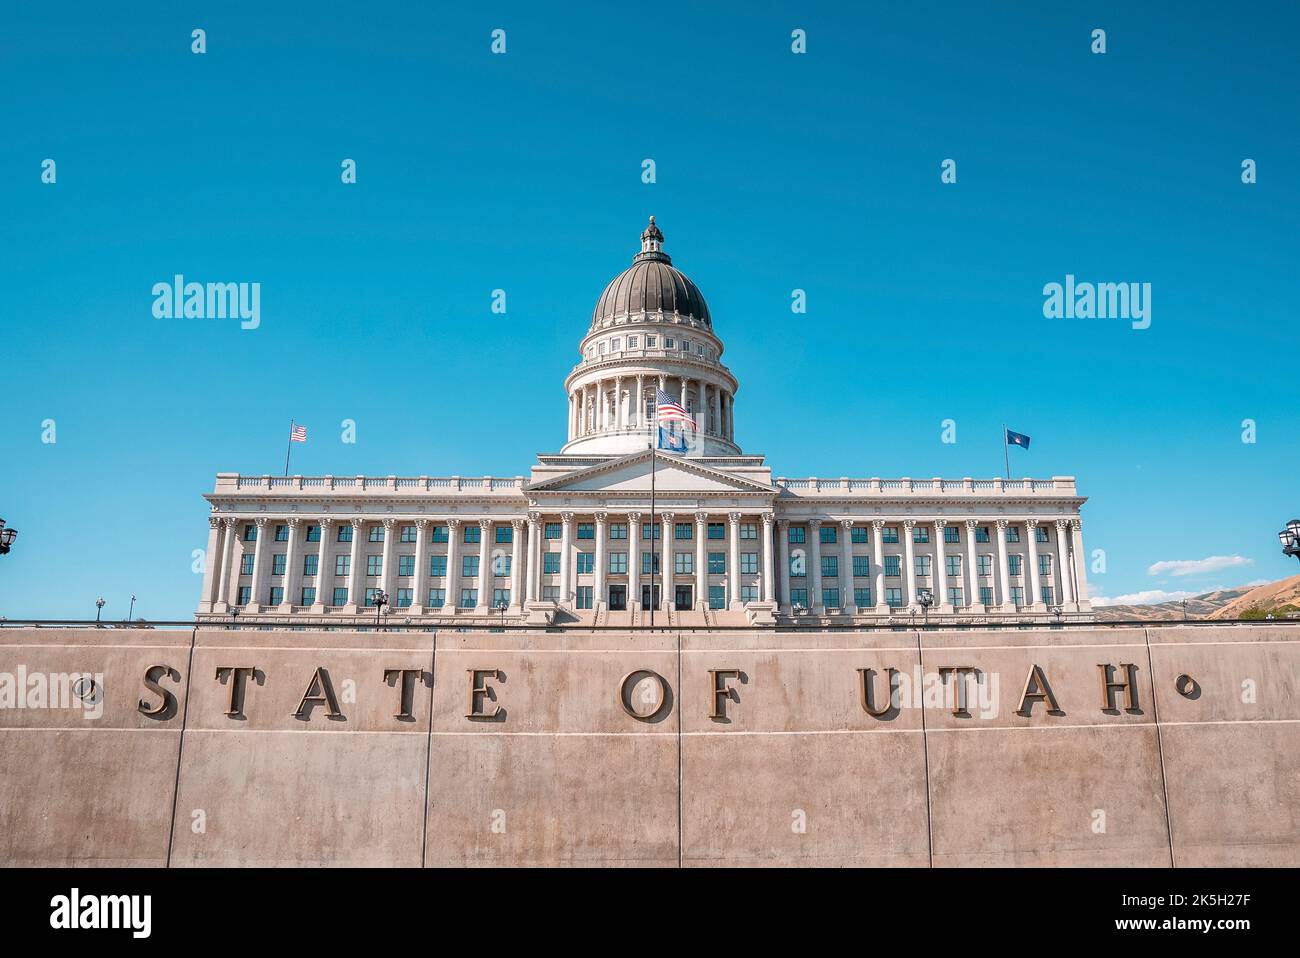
point(650, 285)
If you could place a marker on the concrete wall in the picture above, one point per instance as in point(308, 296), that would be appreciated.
point(795, 771)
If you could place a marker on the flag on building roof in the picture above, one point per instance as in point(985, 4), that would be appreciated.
point(669, 411)
point(299, 434)
point(1017, 439)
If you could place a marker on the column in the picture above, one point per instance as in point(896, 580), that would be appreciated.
point(701, 560)
point(701, 408)
point(516, 562)
point(783, 553)
point(292, 569)
point(227, 557)
point(452, 580)
point(733, 562)
point(638, 411)
point(666, 593)
point(1031, 535)
point(324, 571)
point(618, 402)
point(534, 556)
point(972, 570)
point(1080, 570)
point(878, 557)
point(566, 559)
point(1004, 599)
point(683, 382)
point(847, 602)
point(600, 560)
point(941, 603)
point(212, 563)
point(388, 571)
point(355, 596)
point(259, 564)
point(485, 579)
point(909, 562)
point(420, 580)
point(766, 546)
point(815, 567)
point(1063, 583)
point(633, 559)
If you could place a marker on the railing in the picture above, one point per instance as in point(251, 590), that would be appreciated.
point(227, 481)
point(1057, 485)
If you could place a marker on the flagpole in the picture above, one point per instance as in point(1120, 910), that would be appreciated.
point(288, 448)
point(1005, 453)
point(653, 443)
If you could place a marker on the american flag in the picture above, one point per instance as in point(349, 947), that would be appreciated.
point(670, 410)
point(299, 434)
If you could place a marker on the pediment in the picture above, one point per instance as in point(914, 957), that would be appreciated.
point(631, 474)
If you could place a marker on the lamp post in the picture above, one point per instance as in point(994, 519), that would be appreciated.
point(7, 537)
point(500, 606)
point(1184, 610)
point(1056, 611)
point(926, 598)
point(1290, 537)
point(380, 600)
point(99, 607)
point(131, 611)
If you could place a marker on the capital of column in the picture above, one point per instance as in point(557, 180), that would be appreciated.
point(768, 519)
point(667, 517)
point(485, 524)
point(909, 523)
point(972, 525)
point(294, 521)
point(1032, 523)
point(734, 517)
point(567, 518)
point(389, 522)
point(600, 518)
point(940, 525)
point(634, 517)
point(1076, 524)
point(1061, 524)
point(357, 523)
point(261, 523)
point(230, 522)
point(452, 525)
point(1002, 523)
point(846, 524)
point(214, 522)
point(421, 524)
point(878, 524)
point(534, 519)
point(814, 523)
point(517, 525)
point(701, 518)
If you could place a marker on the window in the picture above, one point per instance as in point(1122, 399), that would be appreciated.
point(748, 563)
point(374, 565)
point(500, 597)
point(371, 595)
point(862, 598)
point(586, 530)
point(310, 563)
point(340, 596)
point(749, 593)
point(986, 595)
point(831, 598)
point(718, 563)
point(799, 597)
point(893, 566)
point(830, 567)
point(345, 533)
point(437, 598)
point(617, 598)
point(618, 530)
point(440, 534)
point(894, 597)
point(858, 534)
point(682, 530)
point(981, 533)
point(717, 597)
point(584, 597)
point(473, 533)
point(650, 563)
point(1044, 565)
point(1040, 534)
point(408, 535)
point(647, 529)
point(984, 565)
point(313, 533)
point(553, 530)
point(952, 565)
point(406, 565)
point(469, 566)
point(468, 598)
point(1018, 596)
point(797, 534)
point(501, 565)
point(954, 595)
point(308, 595)
point(797, 565)
point(1013, 564)
point(404, 598)
point(669, 343)
point(683, 563)
point(718, 530)
point(951, 534)
point(922, 565)
point(550, 593)
point(615, 346)
point(920, 533)
point(861, 566)
point(686, 345)
point(1013, 534)
point(828, 535)
point(651, 342)
point(246, 564)
point(376, 534)
point(551, 563)
point(748, 530)
point(1048, 595)
point(437, 566)
point(250, 533)
point(586, 563)
point(342, 565)
point(281, 533)
point(633, 342)
point(505, 534)
point(889, 534)
point(277, 594)
point(618, 563)
point(277, 563)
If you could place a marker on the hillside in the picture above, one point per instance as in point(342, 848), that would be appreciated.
point(1205, 606)
point(1267, 597)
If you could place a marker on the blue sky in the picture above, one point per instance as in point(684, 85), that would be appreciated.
point(775, 171)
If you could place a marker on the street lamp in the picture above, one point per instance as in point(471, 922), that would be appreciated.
point(926, 598)
point(380, 600)
point(1290, 537)
point(131, 612)
point(500, 606)
point(99, 607)
point(7, 537)
point(1056, 611)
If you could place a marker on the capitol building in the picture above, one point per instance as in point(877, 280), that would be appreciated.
point(583, 540)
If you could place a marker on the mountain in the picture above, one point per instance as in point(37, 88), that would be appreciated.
point(1270, 597)
point(1205, 606)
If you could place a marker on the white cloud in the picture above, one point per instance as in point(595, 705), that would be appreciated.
point(1148, 597)
point(1182, 567)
